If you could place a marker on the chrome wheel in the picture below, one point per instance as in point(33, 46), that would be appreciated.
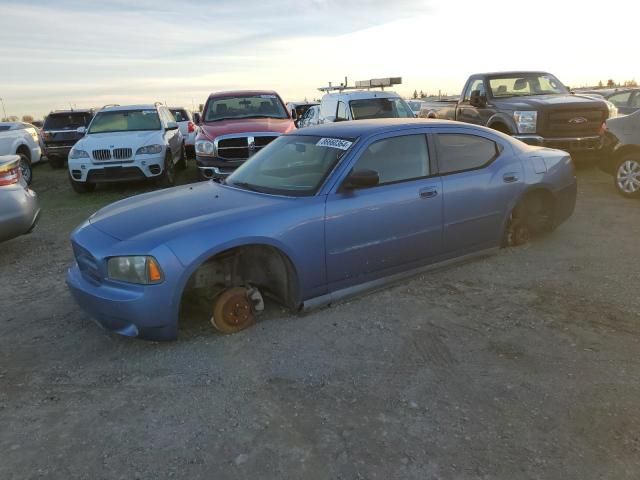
point(25, 169)
point(628, 177)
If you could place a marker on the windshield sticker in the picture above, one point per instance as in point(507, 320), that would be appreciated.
point(334, 143)
point(148, 112)
point(267, 96)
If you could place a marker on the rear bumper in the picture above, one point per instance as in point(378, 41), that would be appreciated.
point(565, 203)
point(19, 212)
point(57, 150)
point(570, 144)
point(134, 311)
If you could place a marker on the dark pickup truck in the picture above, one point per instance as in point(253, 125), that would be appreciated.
point(534, 107)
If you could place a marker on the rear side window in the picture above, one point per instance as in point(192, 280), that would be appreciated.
point(397, 159)
point(342, 112)
point(460, 152)
point(67, 121)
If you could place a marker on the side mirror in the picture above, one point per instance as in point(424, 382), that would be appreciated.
point(172, 126)
point(197, 119)
point(477, 100)
point(361, 179)
point(81, 130)
point(294, 114)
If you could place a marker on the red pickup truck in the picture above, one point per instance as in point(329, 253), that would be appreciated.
point(234, 126)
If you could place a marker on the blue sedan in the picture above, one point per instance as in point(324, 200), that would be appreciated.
point(319, 215)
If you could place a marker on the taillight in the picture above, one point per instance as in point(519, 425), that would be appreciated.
point(603, 128)
point(191, 127)
point(10, 175)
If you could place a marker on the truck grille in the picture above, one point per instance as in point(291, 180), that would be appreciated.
point(573, 123)
point(102, 154)
point(242, 147)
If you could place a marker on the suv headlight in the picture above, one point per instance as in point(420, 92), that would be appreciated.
point(613, 110)
point(205, 147)
point(526, 121)
point(77, 153)
point(137, 269)
point(150, 150)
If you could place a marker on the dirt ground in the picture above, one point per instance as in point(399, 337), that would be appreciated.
point(522, 365)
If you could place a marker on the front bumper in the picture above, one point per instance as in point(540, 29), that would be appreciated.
point(132, 311)
point(569, 144)
point(19, 211)
point(86, 170)
point(214, 167)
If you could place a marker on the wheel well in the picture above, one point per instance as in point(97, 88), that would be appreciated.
point(538, 208)
point(261, 266)
point(626, 150)
point(24, 150)
point(501, 127)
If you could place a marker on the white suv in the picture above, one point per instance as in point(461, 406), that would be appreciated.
point(125, 143)
point(362, 105)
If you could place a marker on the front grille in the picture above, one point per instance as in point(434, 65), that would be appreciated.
point(122, 153)
point(242, 147)
point(87, 263)
point(573, 123)
point(102, 154)
point(115, 174)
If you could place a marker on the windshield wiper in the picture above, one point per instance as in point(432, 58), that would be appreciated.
point(245, 185)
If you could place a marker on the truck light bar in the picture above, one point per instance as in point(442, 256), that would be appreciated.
point(364, 84)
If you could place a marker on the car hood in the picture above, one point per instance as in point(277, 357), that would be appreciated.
point(246, 125)
point(551, 102)
point(177, 210)
point(119, 139)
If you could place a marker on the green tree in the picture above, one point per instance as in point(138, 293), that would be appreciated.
point(27, 119)
point(415, 94)
point(611, 83)
point(600, 84)
point(422, 94)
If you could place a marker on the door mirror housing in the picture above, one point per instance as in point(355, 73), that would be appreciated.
point(294, 114)
point(478, 100)
point(172, 126)
point(81, 130)
point(361, 179)
point(197, 119)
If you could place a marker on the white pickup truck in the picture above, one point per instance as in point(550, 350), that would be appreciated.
point(17, 138)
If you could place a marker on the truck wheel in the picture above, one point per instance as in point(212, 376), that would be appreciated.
point(182, 163)
point(82, 187)
point(233, 311)
point(56, 162)
point(627, 177)
point(168, 177)
point(26, 169)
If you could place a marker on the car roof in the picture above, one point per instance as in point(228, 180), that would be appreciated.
point(67, 112)
point(247, 93)
point(362, 94)
point(177, 108)
point(360, 128)
point(117, 108)
point(511, 73)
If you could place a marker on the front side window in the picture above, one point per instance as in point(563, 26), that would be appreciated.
point(460, 152)
point(250, 106)
point(291, 165)
point(526, 84)
point(180, 115)
point(396, 159)
point(367, 108)
point(478, 85)
point(125, 121)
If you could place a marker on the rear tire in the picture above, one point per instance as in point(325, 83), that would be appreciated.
point(168, 177)
point(25, 168)
point(81, 187)
point(182, 163)
point(56, 162)
point(626, 176)
point(532, 215)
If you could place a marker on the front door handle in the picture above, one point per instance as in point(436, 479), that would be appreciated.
point(510, 177)
point(428, 192)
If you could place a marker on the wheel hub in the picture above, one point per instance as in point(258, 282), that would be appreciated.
point(628, 176)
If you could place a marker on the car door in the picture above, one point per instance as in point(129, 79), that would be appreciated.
point(480, 178)
point(634, 103)
point(371, 232)
point(172, 136)
point(467, 113)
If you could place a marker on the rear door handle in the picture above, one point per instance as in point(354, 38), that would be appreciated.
point(510, 177)
point(428, 192)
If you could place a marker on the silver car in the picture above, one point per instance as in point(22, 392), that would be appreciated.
point(19, 208)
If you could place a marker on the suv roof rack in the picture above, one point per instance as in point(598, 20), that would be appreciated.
point(363, 84)
point(111, 105)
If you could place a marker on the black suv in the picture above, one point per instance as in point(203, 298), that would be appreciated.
point(60, 133)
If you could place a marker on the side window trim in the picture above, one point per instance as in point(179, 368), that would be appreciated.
point(498, 147)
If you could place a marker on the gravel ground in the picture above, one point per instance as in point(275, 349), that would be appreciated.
point(515, 366)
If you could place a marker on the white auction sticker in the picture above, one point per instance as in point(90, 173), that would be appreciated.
point(334, 143)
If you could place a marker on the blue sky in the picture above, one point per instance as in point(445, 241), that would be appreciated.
point(90, 53)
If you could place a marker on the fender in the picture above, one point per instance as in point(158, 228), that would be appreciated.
point(505, 119)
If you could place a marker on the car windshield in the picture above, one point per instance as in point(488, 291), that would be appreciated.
point(66, 121)
point(293, 165)
point(380, 108)
point(125, 121)
point(526, 84)
point(249, 106)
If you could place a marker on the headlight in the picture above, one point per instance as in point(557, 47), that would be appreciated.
point(613, 110)
point(75, 153)
point(149, 150)
point(140, 270)
point(526, 121)
point(205, 147)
